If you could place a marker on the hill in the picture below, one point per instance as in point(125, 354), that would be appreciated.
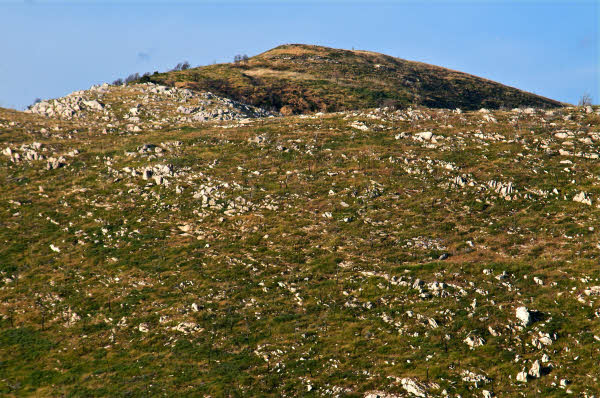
point(407, 253)
point(304, 78)
point(146, 104)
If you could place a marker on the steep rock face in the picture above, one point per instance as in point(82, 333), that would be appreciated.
point(302, 78)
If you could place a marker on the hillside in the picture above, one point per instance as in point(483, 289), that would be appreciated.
point(304, 78)
point(370, 253)
point(144, 105)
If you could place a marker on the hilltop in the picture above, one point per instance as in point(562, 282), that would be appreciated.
point(306, 78)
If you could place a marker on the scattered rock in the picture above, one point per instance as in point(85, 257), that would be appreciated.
point(582, 197)
point(413, 388)
point(535, 370)
point(522, 376)
point(474, 341)
point(524, 316)
point(425, 135)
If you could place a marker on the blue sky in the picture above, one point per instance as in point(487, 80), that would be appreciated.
point(50, 48)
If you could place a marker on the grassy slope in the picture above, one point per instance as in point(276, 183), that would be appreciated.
point(288, 297)
point(312, 78)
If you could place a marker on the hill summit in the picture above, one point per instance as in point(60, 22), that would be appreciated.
point(299, 78)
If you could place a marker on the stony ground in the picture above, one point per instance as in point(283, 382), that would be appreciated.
point(143, 106)
point(375, 253)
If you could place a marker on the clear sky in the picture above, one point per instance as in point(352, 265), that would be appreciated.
point(49, 48)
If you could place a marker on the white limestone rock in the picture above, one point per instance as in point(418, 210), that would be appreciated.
point(524, 316)
point(522, 376)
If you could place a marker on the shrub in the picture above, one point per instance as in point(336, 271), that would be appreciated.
point(181, 66)
point(240, 58)
point(145, 77)
point(585, 100)
point(286, 110)
point(131, 78)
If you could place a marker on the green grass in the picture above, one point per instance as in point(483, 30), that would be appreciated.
point(331, 302)
point(326, 79)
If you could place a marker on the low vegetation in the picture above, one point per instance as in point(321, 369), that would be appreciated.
point(304, 78)
point(378, 252)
